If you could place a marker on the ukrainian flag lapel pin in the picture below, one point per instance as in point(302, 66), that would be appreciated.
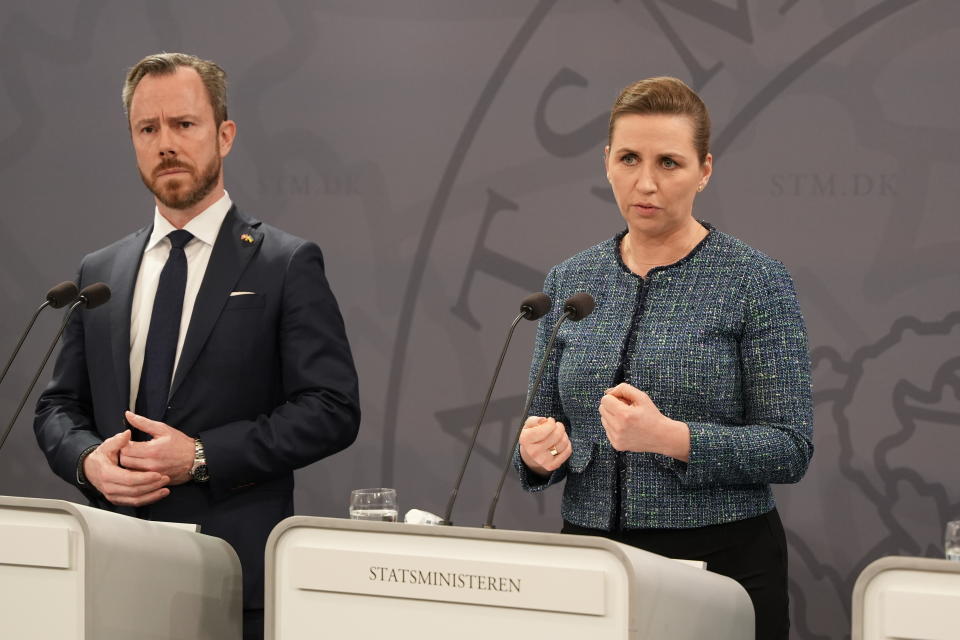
point(246, 238)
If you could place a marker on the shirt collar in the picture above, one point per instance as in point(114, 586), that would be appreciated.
point(205, 226)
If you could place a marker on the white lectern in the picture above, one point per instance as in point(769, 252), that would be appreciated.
point(903, 598)
point(337, 578)
point(73, 572)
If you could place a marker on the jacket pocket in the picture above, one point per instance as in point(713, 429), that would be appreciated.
point(581, 456)
point(247, 301)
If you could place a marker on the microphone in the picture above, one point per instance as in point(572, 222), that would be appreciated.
point(533, 307)
point(62, 295)
point(91, 297)
point(575, 308)
point(59, 296)
point(98, 293)
point(578, 306)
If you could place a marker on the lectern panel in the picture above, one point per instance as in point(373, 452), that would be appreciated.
point(906, 598)
point(367, 584)
point(41, 561)
point(34, 546)
point(78, 573)
point(337, 578)
point(446, 579)
point(913, 605)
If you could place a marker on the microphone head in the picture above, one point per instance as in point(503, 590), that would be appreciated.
point(94, 295)
point(62, 294)
point(578, 306)
point(535, 305)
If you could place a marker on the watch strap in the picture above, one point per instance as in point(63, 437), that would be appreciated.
point(199, 471)
point(81, 476)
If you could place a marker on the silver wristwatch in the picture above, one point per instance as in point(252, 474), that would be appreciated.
point(199, 471)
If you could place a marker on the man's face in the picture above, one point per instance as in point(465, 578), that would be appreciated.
point(178, 144)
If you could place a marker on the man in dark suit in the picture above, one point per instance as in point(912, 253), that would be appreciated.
point(221, 363)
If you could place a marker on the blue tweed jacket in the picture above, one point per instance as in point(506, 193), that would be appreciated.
point(718, 341)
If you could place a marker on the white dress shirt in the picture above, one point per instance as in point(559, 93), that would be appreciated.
point(204, 228)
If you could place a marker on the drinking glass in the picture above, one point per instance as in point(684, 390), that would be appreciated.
point(951, 541)
point(374, 504)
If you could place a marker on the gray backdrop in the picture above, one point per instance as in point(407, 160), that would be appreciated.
point(446, 153)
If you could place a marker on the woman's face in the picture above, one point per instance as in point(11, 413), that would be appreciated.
point(654, 171)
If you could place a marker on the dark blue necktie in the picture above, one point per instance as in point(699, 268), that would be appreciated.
point(161, 349)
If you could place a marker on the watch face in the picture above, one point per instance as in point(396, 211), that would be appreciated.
point(200, 474)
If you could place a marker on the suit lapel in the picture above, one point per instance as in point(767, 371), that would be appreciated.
point(237, 242)
point(123, 278)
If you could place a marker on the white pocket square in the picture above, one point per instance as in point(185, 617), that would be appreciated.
point(241, 293)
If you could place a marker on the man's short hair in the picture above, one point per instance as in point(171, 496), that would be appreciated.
point(213, 76)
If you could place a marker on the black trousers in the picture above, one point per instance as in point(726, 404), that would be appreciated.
point(253, 624)
point(753, 552)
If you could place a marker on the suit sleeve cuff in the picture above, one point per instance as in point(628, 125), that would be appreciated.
point(534, 482)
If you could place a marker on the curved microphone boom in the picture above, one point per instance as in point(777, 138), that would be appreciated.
point(90, 297)
point(575, 308)
point(533, 307)
point(59, 296)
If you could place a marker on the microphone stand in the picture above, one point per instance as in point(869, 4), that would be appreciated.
point(23, 337)
point(533, 392)
point(58, 296)
point(81, 302)
point(483, 411)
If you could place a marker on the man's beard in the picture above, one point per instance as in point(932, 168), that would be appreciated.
point(173, 195)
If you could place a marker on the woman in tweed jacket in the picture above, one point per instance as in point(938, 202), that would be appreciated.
point(670, 410)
